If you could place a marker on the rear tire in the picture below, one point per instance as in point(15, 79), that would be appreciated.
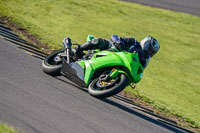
point(95, 91)
point(49, 66)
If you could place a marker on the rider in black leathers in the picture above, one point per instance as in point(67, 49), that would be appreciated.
point(146, 48)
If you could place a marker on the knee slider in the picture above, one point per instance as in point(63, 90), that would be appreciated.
point(95, 41)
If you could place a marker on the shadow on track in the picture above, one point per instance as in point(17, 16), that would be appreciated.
point(71, 83)
point(129, 110)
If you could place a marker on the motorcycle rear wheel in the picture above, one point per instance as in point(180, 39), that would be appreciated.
point(50, 66)
point(99, 92)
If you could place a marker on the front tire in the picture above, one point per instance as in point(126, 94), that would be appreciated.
point(50, 66)
point(99, 92)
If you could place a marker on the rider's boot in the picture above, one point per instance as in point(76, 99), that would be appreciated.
point(78, 51)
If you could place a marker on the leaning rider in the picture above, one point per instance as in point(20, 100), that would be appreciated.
point(146, 49)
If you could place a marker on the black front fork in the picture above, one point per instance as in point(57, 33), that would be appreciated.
point(67, 44)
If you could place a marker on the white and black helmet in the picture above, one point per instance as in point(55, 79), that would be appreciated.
point(150, 44)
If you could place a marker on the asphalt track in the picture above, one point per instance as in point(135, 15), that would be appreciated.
point(186, 6)
point(37, 103)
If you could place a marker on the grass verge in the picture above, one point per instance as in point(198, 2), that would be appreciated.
point(171, 81)
point(7, 129)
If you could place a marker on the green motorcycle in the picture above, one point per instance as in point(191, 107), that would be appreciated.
point(104, 73)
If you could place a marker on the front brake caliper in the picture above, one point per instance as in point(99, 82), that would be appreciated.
point(114, 72)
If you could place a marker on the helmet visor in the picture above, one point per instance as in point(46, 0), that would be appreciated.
point(151, 52)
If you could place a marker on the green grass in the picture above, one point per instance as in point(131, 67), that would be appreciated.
point(7, 129)
point(172, 78)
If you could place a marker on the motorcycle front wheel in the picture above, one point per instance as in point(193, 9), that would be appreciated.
point(52, 63)
point(102, 89)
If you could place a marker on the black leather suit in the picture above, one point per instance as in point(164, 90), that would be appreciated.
point(131, 45)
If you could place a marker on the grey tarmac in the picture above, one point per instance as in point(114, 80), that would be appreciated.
point(186, 6)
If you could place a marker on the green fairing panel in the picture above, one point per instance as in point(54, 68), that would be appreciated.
point(82, 64)
point(106, 59)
